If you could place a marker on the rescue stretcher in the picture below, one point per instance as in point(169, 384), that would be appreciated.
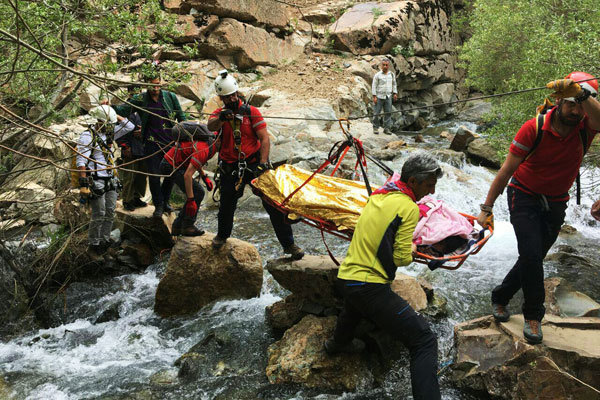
point(333, 205)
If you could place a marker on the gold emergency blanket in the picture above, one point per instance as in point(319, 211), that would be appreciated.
point(336, 200)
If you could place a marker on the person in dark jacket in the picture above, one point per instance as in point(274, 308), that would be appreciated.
point(158, 109)
point(132, 149)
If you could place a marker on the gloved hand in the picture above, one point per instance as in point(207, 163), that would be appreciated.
point(262, 168)
point(191, 208)
point(84, 182)
point(226, 114)
point(486, 219)
point(565, 88)
point(209, 184)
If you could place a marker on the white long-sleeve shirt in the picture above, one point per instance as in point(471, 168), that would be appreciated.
point(384, 85)
point(85, 149)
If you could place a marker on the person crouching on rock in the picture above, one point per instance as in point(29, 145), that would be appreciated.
point(382, 241)
point(195, 146)
point(97, 181)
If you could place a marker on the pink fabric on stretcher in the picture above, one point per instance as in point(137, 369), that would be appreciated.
point(438, 221)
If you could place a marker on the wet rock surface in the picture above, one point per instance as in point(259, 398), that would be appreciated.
point(495, 358)
point(197, 275)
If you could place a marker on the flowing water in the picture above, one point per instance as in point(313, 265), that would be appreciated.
point(80, 359)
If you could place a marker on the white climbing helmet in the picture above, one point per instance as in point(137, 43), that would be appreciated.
point(104, 113)
point(225, 84)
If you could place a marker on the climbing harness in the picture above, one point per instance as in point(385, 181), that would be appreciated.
point(111, 182)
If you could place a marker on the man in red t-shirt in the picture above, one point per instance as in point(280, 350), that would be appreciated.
point(181, 162)
point(538, 191)
point(244, 154)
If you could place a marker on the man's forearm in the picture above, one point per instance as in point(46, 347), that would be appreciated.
point(188, 180)
point(265, 145)
point(592, 108)
point(214, 124)
point(496, 188)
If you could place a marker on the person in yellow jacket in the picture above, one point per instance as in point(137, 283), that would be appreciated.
point(382, 242)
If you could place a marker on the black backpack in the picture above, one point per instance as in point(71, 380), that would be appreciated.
point(188, 131)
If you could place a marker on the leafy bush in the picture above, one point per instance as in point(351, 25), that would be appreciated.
point(517, 44)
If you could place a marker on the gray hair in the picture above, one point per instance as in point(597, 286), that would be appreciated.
point(421, 166)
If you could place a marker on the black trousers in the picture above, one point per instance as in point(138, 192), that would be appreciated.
point(536, 229)
point(391, 313)
point(178, 179)
point(228, 205)
point(160, 193)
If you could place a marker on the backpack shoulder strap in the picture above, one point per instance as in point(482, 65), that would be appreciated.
point(539, 124)
point(583, 135)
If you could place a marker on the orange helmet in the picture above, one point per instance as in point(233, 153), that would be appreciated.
point(590, 84)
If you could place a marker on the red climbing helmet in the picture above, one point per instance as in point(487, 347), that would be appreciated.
point(591, 84)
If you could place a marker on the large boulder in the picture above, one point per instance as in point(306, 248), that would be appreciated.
point(198, 275)
point(480, 151)
point(140, 223)
point(563, 300)
point(312, 283)
point(410, 290)
point(299, 357)
point(200, 86)
point(30, 201)
point(191, 27)
point(462, 138)
point(375, 28)
point(312, 278)
point(229, 43)
point(495, 358)
point(285, 313)
point(257, 12)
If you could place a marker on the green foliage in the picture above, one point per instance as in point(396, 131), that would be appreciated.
point(404, 51)
point(192, 51)
point(525, 44)
point(76, 26)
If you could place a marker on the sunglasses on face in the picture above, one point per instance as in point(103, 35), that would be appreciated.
point(228, 96)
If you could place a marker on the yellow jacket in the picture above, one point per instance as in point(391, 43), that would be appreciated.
point(382, 239)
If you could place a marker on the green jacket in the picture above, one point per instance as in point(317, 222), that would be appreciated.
point(168, 99)
point(382, 239)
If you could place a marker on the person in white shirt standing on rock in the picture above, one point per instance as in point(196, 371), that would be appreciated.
point(384, 90)
point(97, 180)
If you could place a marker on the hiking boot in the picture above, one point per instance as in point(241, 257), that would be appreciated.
point(500, 312)
point(355, 346)
point(532, 330)
point(375, 131)
point(190, 230)
point(387, 132)
point(218, 242)
point(158, 211)
point(176, 227)
point(128, 206)
point(295, 252)
point(138, 203)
